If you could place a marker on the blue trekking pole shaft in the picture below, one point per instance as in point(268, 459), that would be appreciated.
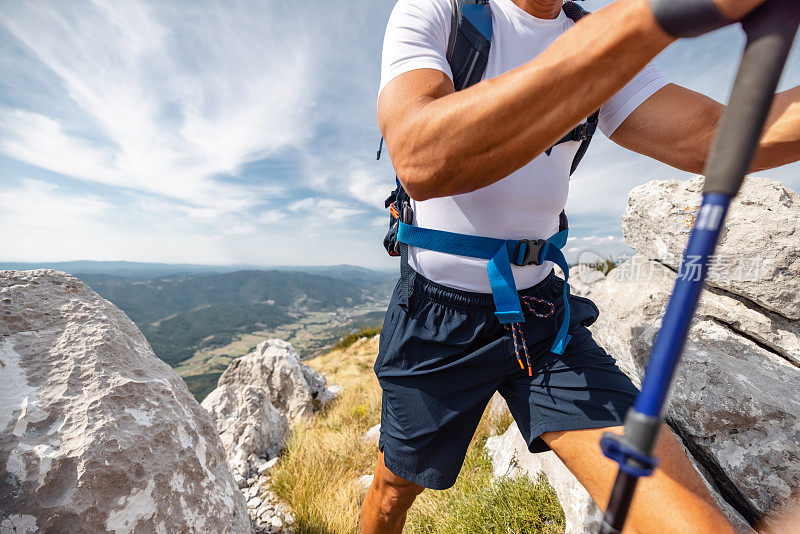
point(770, 32)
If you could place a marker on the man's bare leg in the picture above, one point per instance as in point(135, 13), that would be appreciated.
point(674, 499)
point(387, 501)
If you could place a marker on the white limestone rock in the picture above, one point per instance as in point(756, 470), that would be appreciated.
point(96, 433)
point(266, 467)
point(258, 398)
point(248, 424)
point(373, 435)
point(296, 390)
point(363, 483)
point(498, 407)
point(758, 252)
point(734, 400)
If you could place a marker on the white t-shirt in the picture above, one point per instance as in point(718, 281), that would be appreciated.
point(526, 203)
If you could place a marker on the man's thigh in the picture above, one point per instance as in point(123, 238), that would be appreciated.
point(583, 388)
point(674, 499)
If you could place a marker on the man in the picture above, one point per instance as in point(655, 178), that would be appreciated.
point(474, 162)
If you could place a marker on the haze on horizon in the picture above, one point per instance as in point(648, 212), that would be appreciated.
point(240, 133)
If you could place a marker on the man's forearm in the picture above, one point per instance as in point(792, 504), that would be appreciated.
point(469, 139)
point(780, 143)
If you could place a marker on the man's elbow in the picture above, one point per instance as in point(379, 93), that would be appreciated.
point(418, 187)
point(423, 182)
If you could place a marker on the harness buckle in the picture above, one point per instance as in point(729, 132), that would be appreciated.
point(530, 255)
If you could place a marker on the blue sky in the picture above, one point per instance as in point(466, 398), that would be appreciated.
point(223, 132)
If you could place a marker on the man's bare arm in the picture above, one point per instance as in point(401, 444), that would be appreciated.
point(677, 126)
point(444, 142)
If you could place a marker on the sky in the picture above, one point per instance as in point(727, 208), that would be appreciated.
point(240, 132)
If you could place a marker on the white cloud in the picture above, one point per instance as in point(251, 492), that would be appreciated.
point(37, 204)
point(170, 95)
point(370, 186)
point(324, 209)
point(153, 117)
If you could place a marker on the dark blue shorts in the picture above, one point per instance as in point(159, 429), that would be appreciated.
point(441, 360)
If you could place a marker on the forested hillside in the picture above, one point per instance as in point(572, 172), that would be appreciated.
point(148, 300)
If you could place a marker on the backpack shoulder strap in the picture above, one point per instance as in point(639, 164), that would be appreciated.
point(574, 11)
point(469, 42)
point(583, 132)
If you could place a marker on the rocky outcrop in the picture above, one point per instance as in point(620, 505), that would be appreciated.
point(96, 433)
point(294, 389)
point(761, 244)
point(734, 402)
point(268, 513)
point(256, 401)
point(249, 426)
point(373, 435)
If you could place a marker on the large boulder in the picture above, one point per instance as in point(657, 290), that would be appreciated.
point(734, 401)
point(256, 401)
point(96, 433)
point(296, 390)
point(259, 397)
point(757, 257)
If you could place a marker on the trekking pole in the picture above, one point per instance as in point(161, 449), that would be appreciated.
point(770, 31)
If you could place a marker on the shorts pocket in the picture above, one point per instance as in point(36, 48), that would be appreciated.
point(582, 310)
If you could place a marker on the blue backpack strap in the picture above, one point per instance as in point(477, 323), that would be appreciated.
point(467, 53)
point(469, 42)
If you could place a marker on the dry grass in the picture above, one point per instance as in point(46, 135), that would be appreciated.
point(324, 459)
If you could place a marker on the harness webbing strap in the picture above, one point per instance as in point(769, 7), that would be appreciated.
point(404, 275)
point(501, 253)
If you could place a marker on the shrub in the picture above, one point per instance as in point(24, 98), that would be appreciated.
point(349, 339)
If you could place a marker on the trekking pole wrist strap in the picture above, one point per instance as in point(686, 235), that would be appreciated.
point(688, 18)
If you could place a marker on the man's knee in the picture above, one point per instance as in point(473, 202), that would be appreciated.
point(394, 495)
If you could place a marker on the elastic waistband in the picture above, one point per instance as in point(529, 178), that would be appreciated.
point(456, 298)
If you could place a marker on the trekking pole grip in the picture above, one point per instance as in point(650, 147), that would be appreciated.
point(770, 31)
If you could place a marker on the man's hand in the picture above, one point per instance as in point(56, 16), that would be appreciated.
point(737, 9)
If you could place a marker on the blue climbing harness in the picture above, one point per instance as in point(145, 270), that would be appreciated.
point(501, 253)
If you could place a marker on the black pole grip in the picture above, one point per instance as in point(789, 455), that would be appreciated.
point(770, 30)
point(688, 18)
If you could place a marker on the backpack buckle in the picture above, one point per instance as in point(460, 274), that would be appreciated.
point(527, 252)
point(584, 131)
